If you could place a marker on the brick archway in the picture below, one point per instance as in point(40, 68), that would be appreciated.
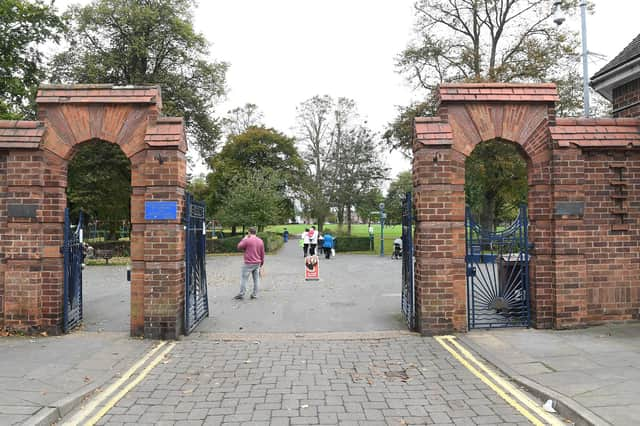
point(583, 205)
point(35, 159)
point(468, 115)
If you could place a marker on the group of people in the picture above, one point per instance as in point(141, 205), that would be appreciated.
point(312, 239)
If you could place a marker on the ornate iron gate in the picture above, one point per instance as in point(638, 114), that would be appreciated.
point(73, 253)
point(408, 289)
point(497, 274)
point(196, 303)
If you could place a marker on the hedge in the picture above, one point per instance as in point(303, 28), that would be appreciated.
point(272, 242)
point(119, 248)
point(352, 244)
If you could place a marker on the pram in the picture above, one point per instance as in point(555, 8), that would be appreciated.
point(397, 251)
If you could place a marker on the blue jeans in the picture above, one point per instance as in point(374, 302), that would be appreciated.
point(252, 269)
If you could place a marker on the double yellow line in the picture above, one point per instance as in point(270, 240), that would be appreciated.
point(512, 395)
point(83, 416)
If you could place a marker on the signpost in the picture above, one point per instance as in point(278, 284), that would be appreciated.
point(382, 217)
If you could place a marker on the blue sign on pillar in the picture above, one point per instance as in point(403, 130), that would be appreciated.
point(160, 210)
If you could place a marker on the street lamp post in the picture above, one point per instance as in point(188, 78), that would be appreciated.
point(381, 229)
point(585, 60)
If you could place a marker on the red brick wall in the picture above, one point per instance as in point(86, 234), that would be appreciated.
point(609, 239)
point(626, 100)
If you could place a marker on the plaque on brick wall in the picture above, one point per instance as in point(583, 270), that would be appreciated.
point(22, 210)
point(569, 208)
point(160, 210)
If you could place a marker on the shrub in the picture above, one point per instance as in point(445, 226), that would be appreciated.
point(272, 242)
point(352, 243)
point(119, 248)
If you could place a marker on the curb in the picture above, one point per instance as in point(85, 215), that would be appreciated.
point(55, 411)
point(333, 335)
point(564, 405)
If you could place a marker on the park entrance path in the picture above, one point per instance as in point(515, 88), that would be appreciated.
point(355, 293)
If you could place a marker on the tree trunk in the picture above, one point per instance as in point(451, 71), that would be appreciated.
point(340, 215)
point(234, 230)
point(348, 220)
point(487, 213)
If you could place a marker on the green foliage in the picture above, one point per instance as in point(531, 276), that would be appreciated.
point(256, 149)
point(198, 188)
point(272, 242)
point(352, 243)
point(342, 156)
point(368, 203)
point(119, 248)
point(396, 194)
point(132, 42)
point(495, 183)
point(224, 245)
point(399, 133)
point(100, 183)
point(24, 27)
point(254, 199)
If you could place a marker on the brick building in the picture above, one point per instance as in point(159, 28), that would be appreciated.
point(584, 198)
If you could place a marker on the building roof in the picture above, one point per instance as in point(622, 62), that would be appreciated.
point(630, 52)
point(597, 132)
point(21, 134)
point(498, 92)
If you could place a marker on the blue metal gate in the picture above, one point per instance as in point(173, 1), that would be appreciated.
point(196, 306)
point(408, 289)
point(73, 253)
point(497, 274)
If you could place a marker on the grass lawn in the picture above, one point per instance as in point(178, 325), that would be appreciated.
point(358, 230)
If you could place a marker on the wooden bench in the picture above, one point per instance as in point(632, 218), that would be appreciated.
point(104, 254)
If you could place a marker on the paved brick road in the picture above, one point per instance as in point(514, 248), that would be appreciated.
point(399, 380)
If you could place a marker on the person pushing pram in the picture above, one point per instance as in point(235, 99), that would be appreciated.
point(397, 248)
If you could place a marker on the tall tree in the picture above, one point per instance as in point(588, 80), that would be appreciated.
point(258, 148)
point(239, 119)
point(355, 168)
point(315, 125)
point(25, 26)
point(487, 40)
point(254, 199)
point(135, 42)
point(398, 189)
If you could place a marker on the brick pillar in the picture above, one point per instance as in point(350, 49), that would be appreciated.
point(569, 264)
point(3, 230)
point(53, 206)
point(23, 240)
point(157, 246)
point(440, 279)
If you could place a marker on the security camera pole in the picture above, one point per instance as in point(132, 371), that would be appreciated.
point(585, 64)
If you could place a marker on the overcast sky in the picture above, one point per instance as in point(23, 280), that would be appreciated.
point(282, 52)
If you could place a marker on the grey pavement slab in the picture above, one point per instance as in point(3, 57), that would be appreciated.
point(37, 373)
point(597, 367)
point(280, 379)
